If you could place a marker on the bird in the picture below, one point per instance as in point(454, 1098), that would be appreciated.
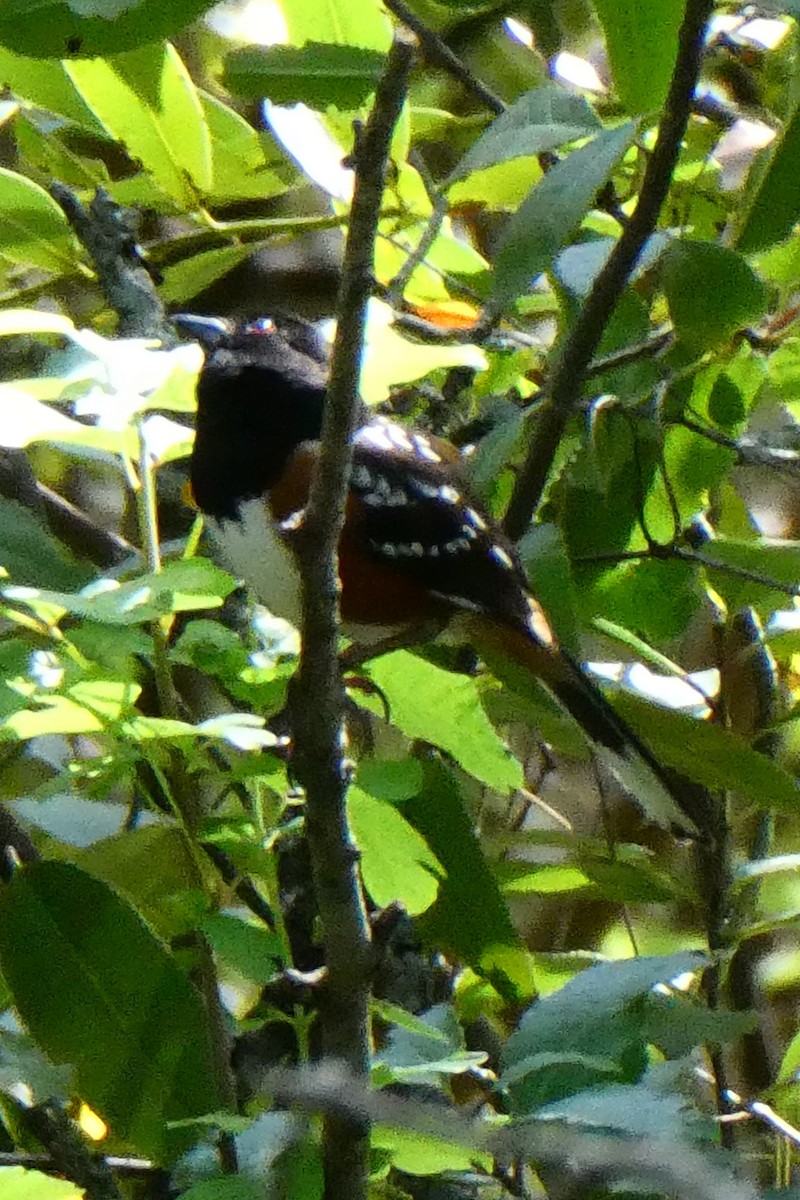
point(418, 550)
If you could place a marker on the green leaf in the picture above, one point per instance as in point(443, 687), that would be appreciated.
point(766, 559)
point(187, 279)
point(712, 292)
point(147, 865)
point(543, 119)
point(390, 779)
point(419, 1154)
point(62, 28)
point(45, 84)
point(552, 211)
point(30, 553)
point(243, 946)
point(390, 358)
point(775, 207)
point(35, 230)
point(677, 1024)
point(317, 74)
point(639, 1111)
point(445, 709)
point(116, 1004)
point(547, 566)
point(146, 100)
point(642, 42)
point(422, 1054)
point(241, 168)
point(340, 21)
point(709, 754)
point(592, 1015)
point(182, 586)
point(396, 861)
point(17, 1183)
point(470, 918)
point(546, 880)
point(230, 1187)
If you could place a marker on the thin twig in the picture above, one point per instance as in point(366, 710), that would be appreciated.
point(436, 51)
point(582, 341)
point(694, 557)
point(69, 1152)
point(318, 700)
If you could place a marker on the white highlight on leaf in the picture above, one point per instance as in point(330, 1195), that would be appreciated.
point(304, 135)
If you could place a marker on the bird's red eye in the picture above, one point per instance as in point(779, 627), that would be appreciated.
point(262, 325)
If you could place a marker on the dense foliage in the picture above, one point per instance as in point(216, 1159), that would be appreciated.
point(579, 985)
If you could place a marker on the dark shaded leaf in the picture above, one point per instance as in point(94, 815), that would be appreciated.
point(775, 208)
point(542, 119)
point(712, 292)
point(553, 209)
point(98, 990)
point(711, 755)
point(60, 29)
point(317, 74)
point(470, 918)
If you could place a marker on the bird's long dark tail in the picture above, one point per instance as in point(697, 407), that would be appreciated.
point(664, 796)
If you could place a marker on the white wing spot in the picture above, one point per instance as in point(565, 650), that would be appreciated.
point(423, 448)
point(449, 494)
point(539, 624)
point(469, 533)
point(500, 556)
point(417, 549)
point(475, 519)
point(389, 549)
point(457, 546)
point(361, 476)
point(293, 522)
point(428, 491)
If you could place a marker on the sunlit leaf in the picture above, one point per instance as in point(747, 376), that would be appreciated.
point(445, 709)
point(396, 861)
point(642, 41)
point(146, 99)
point(36, 233)
point(19, 1183)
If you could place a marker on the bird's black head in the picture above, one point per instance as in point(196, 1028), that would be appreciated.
point(258, 398)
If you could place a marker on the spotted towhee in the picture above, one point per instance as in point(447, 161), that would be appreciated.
point(417, 550)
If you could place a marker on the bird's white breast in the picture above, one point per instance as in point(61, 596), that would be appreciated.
point(252, 550)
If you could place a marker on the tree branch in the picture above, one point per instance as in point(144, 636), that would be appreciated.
point(583, 339)
point(107, 237)
point(436, 51)
point(318, 700)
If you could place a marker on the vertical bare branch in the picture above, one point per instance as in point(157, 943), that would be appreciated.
point(578, 347)
point(318, 700)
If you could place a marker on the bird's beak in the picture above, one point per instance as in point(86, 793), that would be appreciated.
point(208, 331)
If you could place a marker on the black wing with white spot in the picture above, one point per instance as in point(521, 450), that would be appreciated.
point(416, 515)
